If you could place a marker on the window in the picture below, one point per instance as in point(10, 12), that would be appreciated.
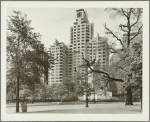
point(79, 14)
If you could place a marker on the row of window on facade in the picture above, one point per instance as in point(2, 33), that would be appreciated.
point(77, 41)
point(82, 22)
point(81, 25)
point(84, 35)
point(87, 28)
point(60, 49)
point(102, 44)
point(79, 61)
point(82, 31)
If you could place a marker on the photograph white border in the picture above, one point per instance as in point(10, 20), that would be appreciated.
point(77, 117)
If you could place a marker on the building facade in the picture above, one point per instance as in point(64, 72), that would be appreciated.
point(80, 34)
point(59, 72)
point(82, 41)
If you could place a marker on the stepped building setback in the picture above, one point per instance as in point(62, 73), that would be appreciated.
point(60, 70)
point(82, 40)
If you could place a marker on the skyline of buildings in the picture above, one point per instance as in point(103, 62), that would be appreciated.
point(82, 40)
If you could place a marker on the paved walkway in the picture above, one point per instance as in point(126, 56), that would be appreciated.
point(79, 108)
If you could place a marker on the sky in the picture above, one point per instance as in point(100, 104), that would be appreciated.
point(55, 23)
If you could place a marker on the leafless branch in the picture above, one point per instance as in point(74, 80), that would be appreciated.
point(137, 33)
point(114, 35)
point(123, 12)
point(138, 17)
point(98, 71)
point(130, 12)
point(122, 28)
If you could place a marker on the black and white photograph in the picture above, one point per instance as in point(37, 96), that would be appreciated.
point(75, 60)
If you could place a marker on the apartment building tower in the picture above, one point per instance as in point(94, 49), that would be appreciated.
point(80, 34)
point(59, 72)
point(82, 41)
point(100, 52)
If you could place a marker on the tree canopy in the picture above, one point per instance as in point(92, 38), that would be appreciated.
point(27, 59)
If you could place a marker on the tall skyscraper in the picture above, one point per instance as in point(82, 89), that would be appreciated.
point(81, 42)
point(80, 34)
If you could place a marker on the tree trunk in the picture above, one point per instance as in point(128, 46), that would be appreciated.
point(45, 97)
point(12, 97)
point(68, 95)
point(86, 101)
point(94, 95)
point(94, 98)
point(129, 96)
point(17, 95)
point(61, 100)
point(33, 97)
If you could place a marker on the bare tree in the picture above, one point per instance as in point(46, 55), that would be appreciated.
point(133, 17)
